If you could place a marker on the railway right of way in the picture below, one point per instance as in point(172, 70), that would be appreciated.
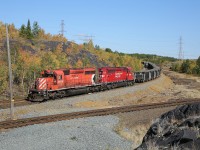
point(91, 113)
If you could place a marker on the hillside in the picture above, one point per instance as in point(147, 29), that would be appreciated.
point(33, 50)
point(32, 55)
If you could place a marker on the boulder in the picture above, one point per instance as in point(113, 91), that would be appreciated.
point(178, 129)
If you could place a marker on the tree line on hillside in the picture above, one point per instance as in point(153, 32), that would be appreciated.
point(159, 60)
point(187, 66)
point(29, 33)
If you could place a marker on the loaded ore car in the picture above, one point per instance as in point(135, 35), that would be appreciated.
point(151, 72)
point(139, 77)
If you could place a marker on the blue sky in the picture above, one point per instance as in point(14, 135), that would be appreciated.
point(129, 26)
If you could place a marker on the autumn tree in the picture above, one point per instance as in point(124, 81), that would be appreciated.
point(49, 60)
point(13, 32)
point(79, 64)
point(61, 56)
point(2, 31)
point(3, 76)
point(23, 63)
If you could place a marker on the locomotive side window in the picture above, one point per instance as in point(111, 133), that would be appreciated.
point(89, 72)
point(60, 77)
point(111, 71)
point(66, 72)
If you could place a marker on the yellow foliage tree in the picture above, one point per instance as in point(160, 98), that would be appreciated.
point(3, 76)
point(79, 64)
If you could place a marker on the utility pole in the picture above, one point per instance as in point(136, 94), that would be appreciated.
point(180, 56)
point(10, 76)
point(62, 25)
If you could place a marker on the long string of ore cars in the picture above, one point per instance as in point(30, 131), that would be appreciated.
point(66, 82)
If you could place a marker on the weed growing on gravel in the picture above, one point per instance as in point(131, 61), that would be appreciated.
point(74, 138)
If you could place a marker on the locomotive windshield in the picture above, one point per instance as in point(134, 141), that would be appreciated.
point(47, 75)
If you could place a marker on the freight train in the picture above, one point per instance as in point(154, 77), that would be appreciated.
point(60, 83)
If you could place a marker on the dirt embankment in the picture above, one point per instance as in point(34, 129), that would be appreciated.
point(138, 94)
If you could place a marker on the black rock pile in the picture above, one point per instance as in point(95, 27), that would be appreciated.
point(176, 129)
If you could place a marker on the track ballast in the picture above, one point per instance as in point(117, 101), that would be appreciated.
point(91, 113)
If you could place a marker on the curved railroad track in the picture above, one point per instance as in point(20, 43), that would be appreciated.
point(91, 113)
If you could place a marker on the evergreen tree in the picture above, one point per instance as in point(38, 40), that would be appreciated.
point(36, 29)
point(108, 50)
point(97, 47)
point(198, 62)
point(29, 34)
point(22, 31)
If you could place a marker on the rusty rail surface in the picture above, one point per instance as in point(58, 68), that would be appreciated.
point(91, 113)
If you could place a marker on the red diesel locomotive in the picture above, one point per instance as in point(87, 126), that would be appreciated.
point(64, 82)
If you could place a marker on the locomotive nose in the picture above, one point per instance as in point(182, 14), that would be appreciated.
point(41, 84)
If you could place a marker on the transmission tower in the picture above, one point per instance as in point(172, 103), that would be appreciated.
point(62, 25)
point(180, 55)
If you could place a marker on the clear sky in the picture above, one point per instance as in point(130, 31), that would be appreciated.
point(129, 26)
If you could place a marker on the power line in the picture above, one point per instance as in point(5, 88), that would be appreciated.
point(181, 54)
point(62, 25)
point(85, 37)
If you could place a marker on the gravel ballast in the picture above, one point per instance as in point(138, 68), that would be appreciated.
point(94, 133)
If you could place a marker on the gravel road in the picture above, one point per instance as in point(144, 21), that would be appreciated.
point(95, 133)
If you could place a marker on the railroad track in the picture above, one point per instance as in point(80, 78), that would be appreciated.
point(91, 113)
